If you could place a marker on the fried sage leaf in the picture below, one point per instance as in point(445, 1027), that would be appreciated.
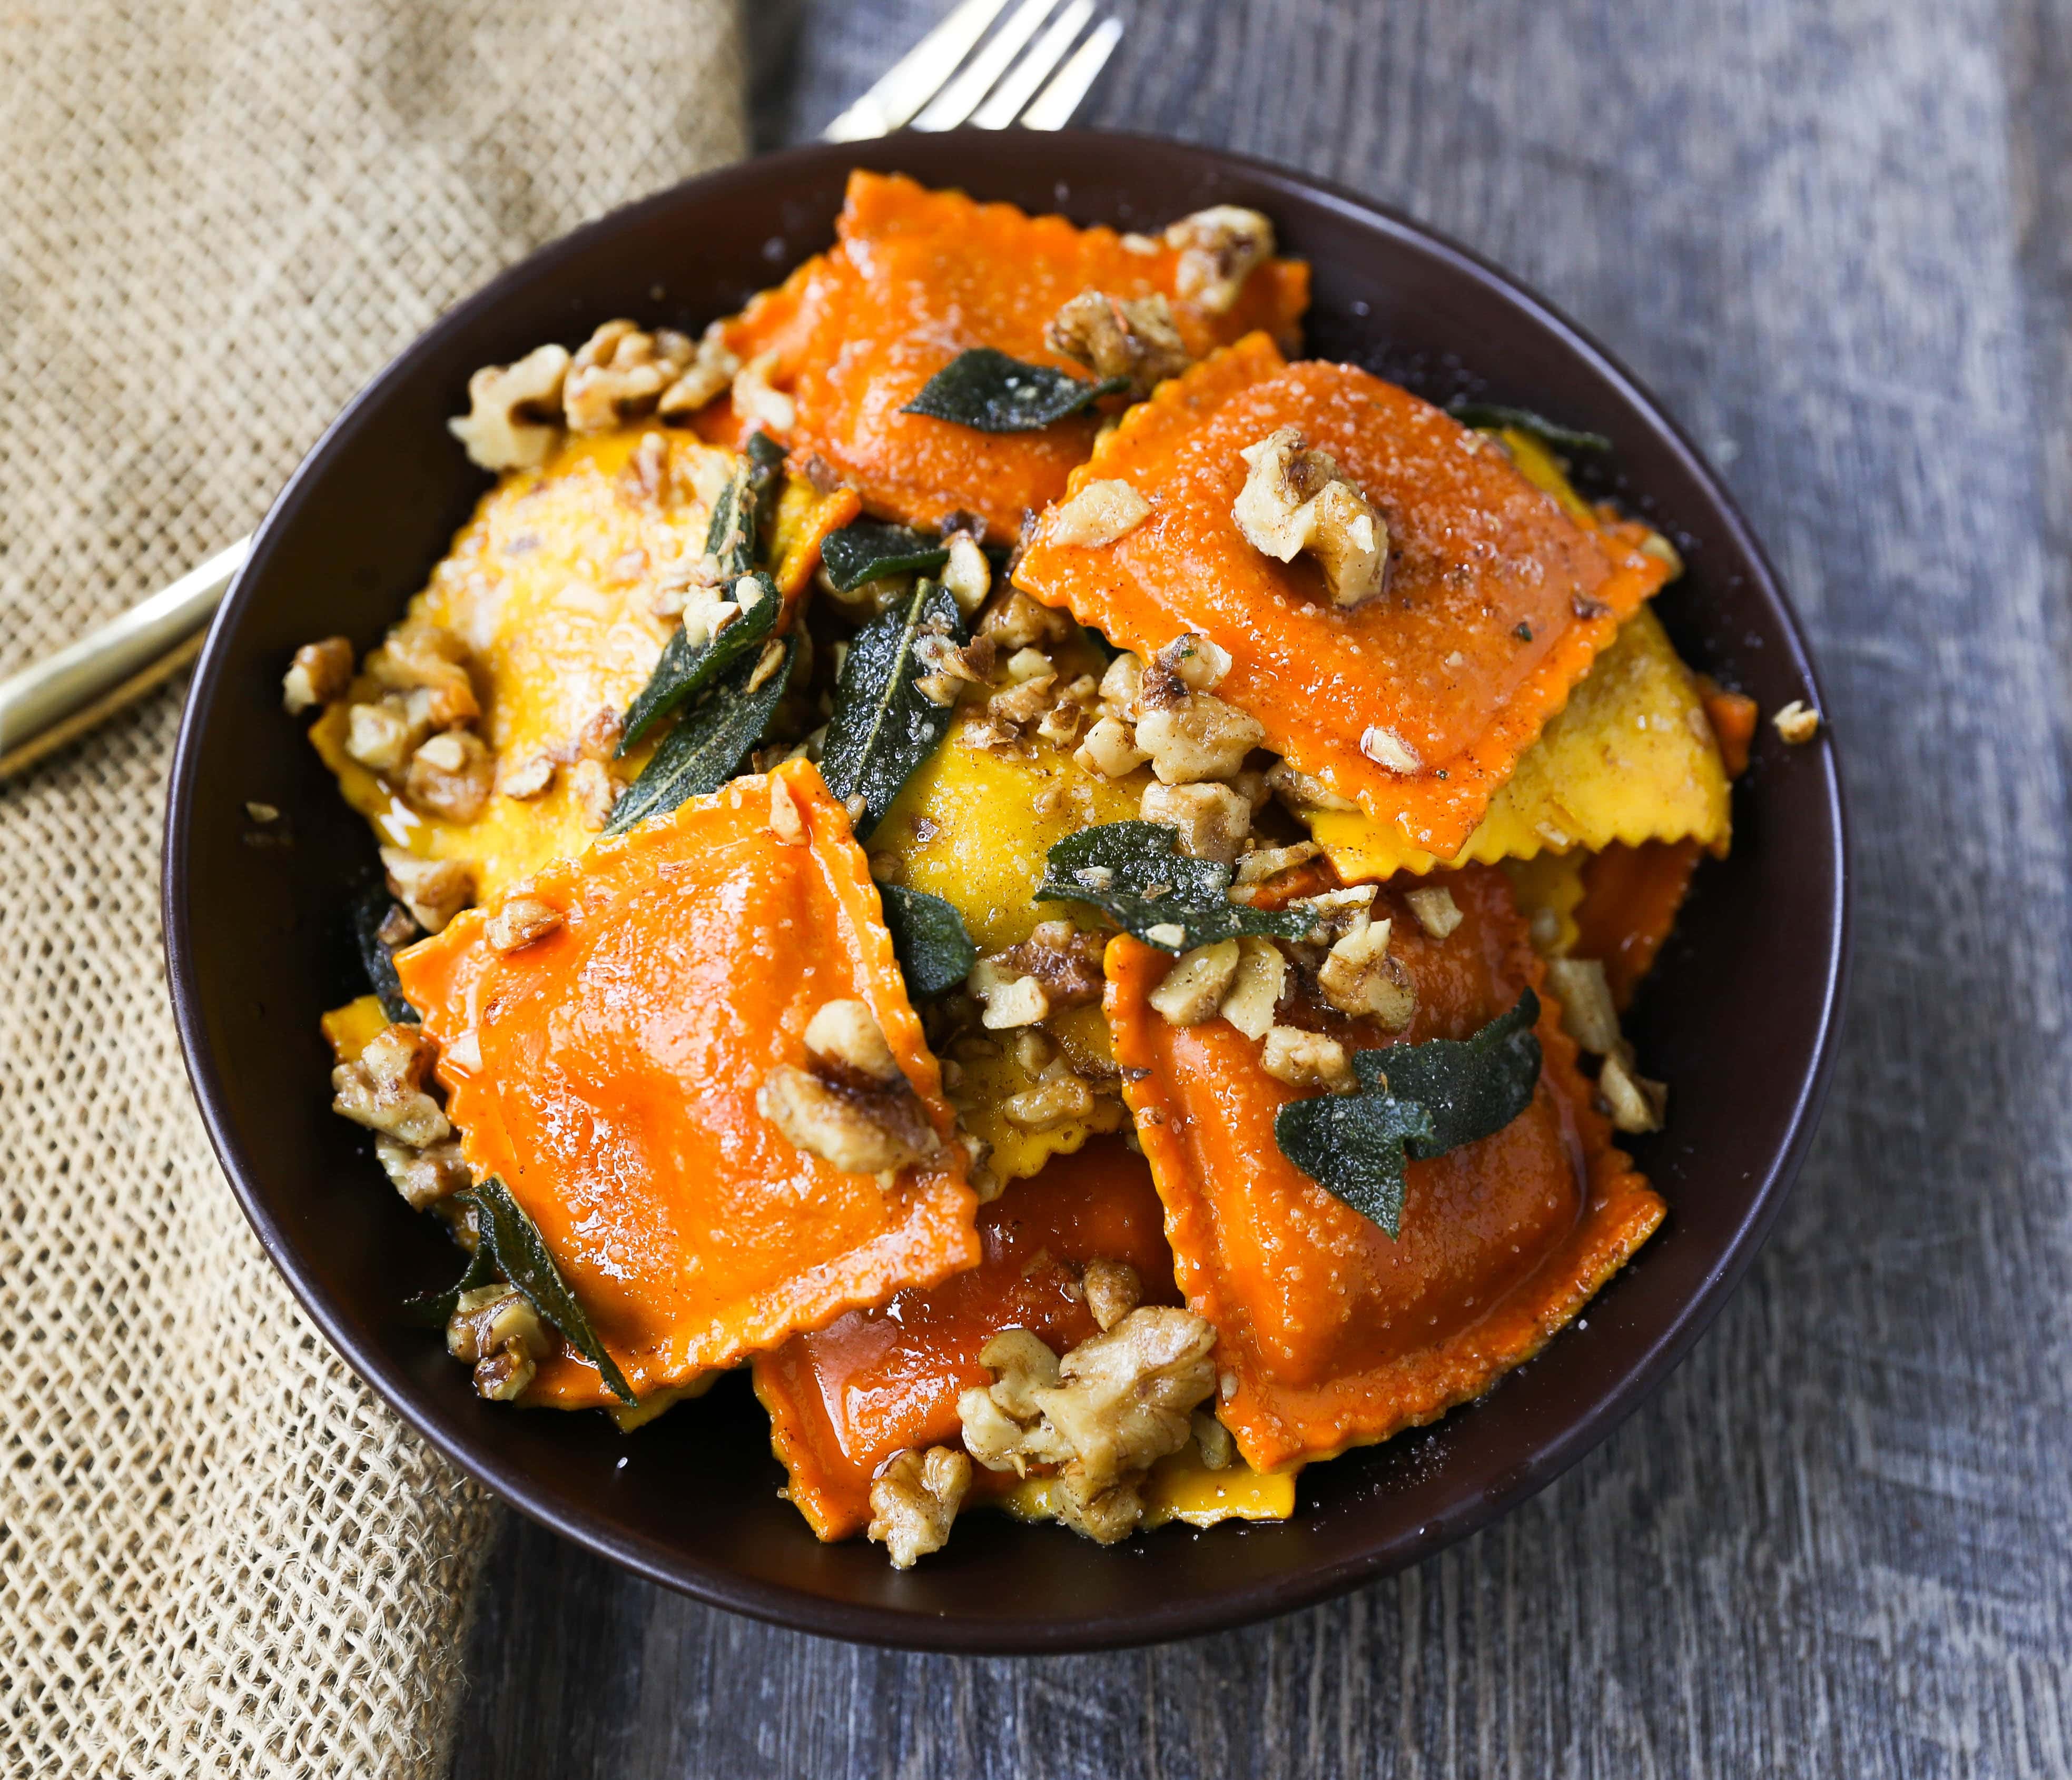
point(1134, 873)
point(509, 1245)
point(928, 938)
point(1490, 414)
point(744, 505)
point(688, 667)
point(1415, 1101)
point(883, 725)
point(993, 393)
point(868, 550)
point(370, 914)
point(711, 738)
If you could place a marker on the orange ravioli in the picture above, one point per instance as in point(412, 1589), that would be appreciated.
point(1335, 1335)
point(1496, 604)
point(1630, 897)
point(608, 1072)
point(919, 276)
point(845, 1398)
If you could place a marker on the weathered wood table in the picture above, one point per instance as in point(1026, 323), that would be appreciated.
point(1837, 241)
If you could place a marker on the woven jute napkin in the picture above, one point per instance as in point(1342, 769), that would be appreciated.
point(219, 1554)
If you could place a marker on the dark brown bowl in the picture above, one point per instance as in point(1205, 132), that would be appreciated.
point(1740, 1016)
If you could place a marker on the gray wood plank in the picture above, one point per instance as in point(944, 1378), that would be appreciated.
point(1835, 241)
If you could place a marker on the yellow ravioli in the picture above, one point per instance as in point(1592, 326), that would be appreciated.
point(1181, 1487)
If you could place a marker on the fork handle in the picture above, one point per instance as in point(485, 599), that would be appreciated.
point(49, 702)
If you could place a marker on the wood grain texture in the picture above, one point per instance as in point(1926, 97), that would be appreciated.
point(1835, 241)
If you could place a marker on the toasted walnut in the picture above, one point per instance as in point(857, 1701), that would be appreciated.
point(1212, 820)
point(1112, 1289)
point(705, 378)
point(434, 891)
point(1110, 750)
point(384, 1088)
point(595, 791)
point(860, 1132)
point(1014, 621)
point(1300, 791)
point(1295, 499)
point(1437, 911)
point(1099, 514)
point(1199, 663)
point(1200, 737)
point(318, 675)
point(513, 415)
point(382, 736)
point(1024, 700)
point(1255, 989)
point(968, 575)
point(1307, 1060)
point(1635, 1104)
point(1121, 684)
point(450, 776)
point(1387, 748)
point(786, 824)
point(418, 656)
point(1797, 722)
point(526, 775)
point(1264, 863)
point(914, 1502)
point(1065, 961)
point(756, 402)
point(423, 1176)
point(1114, 338)
point(1587, 1014)
point(1194, 988)
point(519, 921)
point(619, 374)
point(1009, 999)
point(1060, 1095)
point(495, 1329)
point(1212, 1440)
point(1219, 249)
point(845, 1038)
point(1359, 976)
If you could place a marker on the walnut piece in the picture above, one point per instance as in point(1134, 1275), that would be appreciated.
point(704, 379)
point(1114, 338)
point(384, 1088)
point(914, 1502)
point(1635, 1104)
point(1009, 1000)
point(1307, 1060)
point(1359, 977)
point(845, 1037)
point(434, 891)
point(1797, 722)
point(495, 1329)
point(1099, 514)
point(1194, 988)
point(619, 374)
point(423, 1176)
point(513, 417)
point(1065, 961)
point(1110, 749)
point(1587, 1014)
point(450, 776)
point(1212, 820)
point(1200, 737)
point(1257, 988)
point(1437, 911)
point(320, 674)
point(852, 1105)
point(755, 400)
point(1112, 1289)
point(968, 575)
point(1300, 791)
point(1016, 622)
point(1212, 1440)
point(1295, 499)
point(519, 919)
point(591, 785)
point(416, 656)
point(1219, 249)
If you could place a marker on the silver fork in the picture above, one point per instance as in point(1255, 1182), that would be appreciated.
point(1029, 73)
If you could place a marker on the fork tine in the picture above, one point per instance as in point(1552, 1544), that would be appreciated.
point(1055, 105)
point(917, 77)
point(960, 98)
point(1020, 86)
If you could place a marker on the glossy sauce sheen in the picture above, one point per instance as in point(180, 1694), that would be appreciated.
point(845, 1399)
point(609, 1072)
point(1439, 658)
point(1334, 1334)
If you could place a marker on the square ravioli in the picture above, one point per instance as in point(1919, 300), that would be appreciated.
point(614, 1072)
point(1415, 703)
point(1332, 1334)
point(918, 277)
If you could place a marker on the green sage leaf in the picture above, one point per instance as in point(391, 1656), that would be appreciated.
point(928, 938)
point(883, 727)
point(993, 393)
point(369, 913)
point(521, 1256)
point(709, 742)
point(869, 551)
point(687, 667)
point(435, 1309)
point(1496, 414)
point(1415, 1101)
point(736, 529)
point(1135, 873)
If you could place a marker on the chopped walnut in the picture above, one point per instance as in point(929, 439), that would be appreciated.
point(1196, 662)
point(853, 1106)
point(1194, 988)
point(526, 775)
point(495, 1329)
point(1307, 1060)
point(1295, 499)
point(1200, 737)
point(1212, 820)
point(519, 920)
point(1014, 621)
point(845, 1038)
point(1437, 911)
point(384, 1088)
point(320, 674)
point(1114, 338)
point(1098, 514)
point(705, 378)
point(1262, 863)
point(1212, 1441)
point(914, 1502)
point(1797, 722)
point(382, 736)
point(1255, 989)
point(619, 374)
point(416, 655)
point(434, 891)
point(1635, 1104)
point(513, 415)
point(1112, 1289)
point(1300, 791)
point(1024, 700)
point(1120, 684)
point(450, 776)
point(595, 791)
point(1219, 248)
point(786, 824)
point(1587, 1014)
point(968, 575)
point(423, 1176)
point(1115, 1404)
point(1065, 961)
point(1009, 1000)
point(1060, 1095)
point(1359, 976)
point(1110, 750)
point(757, 402)
point(1386, 748)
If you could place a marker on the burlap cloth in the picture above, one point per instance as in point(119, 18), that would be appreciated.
point(219, 1554)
